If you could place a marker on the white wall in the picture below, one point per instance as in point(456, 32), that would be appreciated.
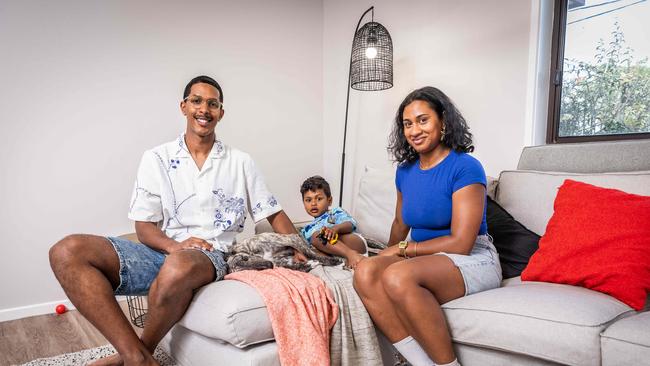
point(87, 86)
point(477, 52)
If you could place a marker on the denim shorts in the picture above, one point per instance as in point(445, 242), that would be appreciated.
point(139, 265)
point(480, 269)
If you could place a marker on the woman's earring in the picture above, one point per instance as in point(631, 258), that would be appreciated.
point(442, 134)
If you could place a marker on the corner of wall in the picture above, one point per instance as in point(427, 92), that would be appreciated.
point(539, 60)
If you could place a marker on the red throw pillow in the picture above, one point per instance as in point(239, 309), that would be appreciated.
point(598, 238)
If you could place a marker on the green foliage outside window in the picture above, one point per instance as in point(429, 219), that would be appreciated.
point(608, 96)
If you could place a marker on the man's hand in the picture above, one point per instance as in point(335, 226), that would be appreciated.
point(191, 243)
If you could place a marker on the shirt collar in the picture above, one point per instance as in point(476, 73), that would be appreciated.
point(218, 149)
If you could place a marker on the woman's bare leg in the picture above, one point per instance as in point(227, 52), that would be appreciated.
point(368, 284)
point(418, 287)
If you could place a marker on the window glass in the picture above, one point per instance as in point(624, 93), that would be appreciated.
point(605, 73)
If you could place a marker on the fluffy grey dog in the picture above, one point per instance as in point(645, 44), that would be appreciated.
point(268, 250)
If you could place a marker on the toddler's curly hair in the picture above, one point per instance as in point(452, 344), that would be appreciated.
point(314, 183)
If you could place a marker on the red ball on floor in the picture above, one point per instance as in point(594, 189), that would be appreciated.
point(60, 309)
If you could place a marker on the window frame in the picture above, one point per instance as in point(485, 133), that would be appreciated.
point(555, 87)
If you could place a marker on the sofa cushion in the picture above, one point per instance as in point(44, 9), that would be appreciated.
point(597, 238)
point(514, 243)
point(230, 311)
point(558, 323)
point(374, 204)
point(627, 341)
point(192, 349)
point(528, 195)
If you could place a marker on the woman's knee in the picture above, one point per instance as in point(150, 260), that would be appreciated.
point(366, 275)
point(397, 280)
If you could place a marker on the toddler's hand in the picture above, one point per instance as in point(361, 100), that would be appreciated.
point(330, 233)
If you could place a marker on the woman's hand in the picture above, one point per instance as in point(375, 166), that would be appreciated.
point(191, 243)
point(391, 250)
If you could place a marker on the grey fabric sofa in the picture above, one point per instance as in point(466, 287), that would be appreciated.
point(520, 323)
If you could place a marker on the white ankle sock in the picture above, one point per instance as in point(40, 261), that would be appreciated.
point(452, 363)
point(413, 352)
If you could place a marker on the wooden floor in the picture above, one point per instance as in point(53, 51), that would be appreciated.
point(49, 335)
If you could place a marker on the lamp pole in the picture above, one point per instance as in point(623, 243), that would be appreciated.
point(347, 104)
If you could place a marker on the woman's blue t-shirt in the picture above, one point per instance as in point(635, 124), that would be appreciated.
point(426, 194)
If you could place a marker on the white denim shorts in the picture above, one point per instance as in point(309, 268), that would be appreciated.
point(480, 269)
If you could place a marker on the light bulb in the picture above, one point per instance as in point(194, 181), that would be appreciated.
point(371, 52)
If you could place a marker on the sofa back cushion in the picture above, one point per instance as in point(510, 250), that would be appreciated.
point(593, 157)
point(514, 242)
point(374, 205)
point(528, 195)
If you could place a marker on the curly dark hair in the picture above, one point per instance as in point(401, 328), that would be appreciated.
point(314, 183)
point(457, 135)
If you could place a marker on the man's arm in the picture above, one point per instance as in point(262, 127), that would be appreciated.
point(281, 223)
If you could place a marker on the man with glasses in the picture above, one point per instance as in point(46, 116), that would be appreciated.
point(190, 199)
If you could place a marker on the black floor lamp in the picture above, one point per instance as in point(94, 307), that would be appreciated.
point(371, 68)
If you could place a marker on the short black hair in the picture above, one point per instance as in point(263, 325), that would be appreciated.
point(457, 136)
point(314, 183)
point(202, 79)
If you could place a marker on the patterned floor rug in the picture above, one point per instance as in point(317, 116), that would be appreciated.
point(92, 354)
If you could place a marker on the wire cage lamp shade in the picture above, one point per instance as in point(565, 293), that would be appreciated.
point(371, 66)
point(371, 69)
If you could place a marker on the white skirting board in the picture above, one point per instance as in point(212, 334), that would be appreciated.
point(37, 309)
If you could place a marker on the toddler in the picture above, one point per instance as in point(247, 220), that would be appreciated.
point(331, 231)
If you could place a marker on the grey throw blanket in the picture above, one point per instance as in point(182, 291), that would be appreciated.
point(353, 339)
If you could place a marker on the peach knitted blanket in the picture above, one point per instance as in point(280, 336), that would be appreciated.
point(302, 312)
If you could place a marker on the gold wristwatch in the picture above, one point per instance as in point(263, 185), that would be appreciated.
point(402, 248)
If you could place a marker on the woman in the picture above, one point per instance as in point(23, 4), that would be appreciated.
point(441, 201)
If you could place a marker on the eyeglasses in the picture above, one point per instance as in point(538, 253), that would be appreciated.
point(196, 101)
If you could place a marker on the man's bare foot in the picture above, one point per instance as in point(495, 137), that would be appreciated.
point(353, 259)
point(112, 360)
point(116, 360)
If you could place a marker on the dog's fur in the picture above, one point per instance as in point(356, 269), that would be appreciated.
point(268, 250)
